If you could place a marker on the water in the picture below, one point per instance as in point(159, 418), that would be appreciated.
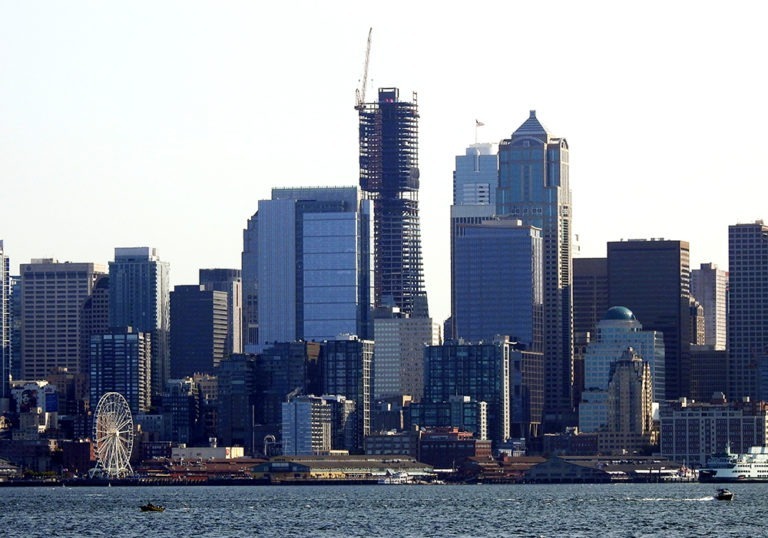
point(615, 510)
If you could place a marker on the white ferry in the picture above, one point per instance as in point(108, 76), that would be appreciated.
point(728, 467)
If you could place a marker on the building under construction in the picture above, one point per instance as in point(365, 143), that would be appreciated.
point(389, 175)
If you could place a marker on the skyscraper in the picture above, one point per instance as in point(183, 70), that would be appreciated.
point(498, 280)
point(120, 362)
point(249, 261)
point(314, 264)
point(5, 328)
point(229, 281)
point(476, 176)
point(199, 321)
point(709, 286)
point(139, 297)
point(389, 175)
point(534, 186)
point(748, 311)
point(652, 279)
point(52, 297)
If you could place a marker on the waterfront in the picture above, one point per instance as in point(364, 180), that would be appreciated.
point(576, 510)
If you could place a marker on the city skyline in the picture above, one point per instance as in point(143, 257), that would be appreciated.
point(123, 130)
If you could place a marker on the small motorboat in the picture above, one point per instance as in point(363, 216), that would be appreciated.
point(149, 507)
point(724, 494)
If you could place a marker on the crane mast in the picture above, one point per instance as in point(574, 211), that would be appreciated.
point(360, 92)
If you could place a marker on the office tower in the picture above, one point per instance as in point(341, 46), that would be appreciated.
point(283, 370)
point(199, 323)
point(5, 329)
point(460, 412)
point(590, 294)
point(121, 362)
point(139, 297)
point(476, 176)
point(52, 296)
point(709, 372)
point(748, 311)
point(314, 264)
point(229, 281)
point(346, 371)
point(236, 395)
point(94, 318)
point(629, 427)
point(398, 359)
point(709, 285)
point(249, 261)
point(534, 186)
point(498, 276)
point(389, 176)
point(15, 304)
point(652, 279)
point(618, 332)
point(181, 411)
point(479, 371)
point(590, 302)
point(462, 215)
point(306, 426)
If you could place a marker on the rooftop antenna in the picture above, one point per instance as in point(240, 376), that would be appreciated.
point(360, 92)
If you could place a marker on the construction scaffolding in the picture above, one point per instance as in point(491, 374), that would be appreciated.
point(389, 175)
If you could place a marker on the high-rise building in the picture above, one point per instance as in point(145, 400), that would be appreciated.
point(389, 176)
point(5, 329)
point(748, 311)
point(398, 360)
point(314, 264)
point(229, 281)
point(346, 371)
point(709, 285)
point(199, 324)
point(235, 402)
point(306, 426)
point(590, 302)
point(652, 279)
point(15, 304)
point(249, 261)
point(94, 319)
point(498, 279)
point(52, 297)
point(629, 427)
point(479, 371)
point(139, 297)
point(121, 362)
point(476, 176)
point(534, 186)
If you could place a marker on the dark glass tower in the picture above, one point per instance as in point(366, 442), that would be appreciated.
point(389, 175)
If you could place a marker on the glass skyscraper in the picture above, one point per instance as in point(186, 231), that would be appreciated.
point(314, 264)
point(139, 297)
point(5, 327)
point(498, 280)
point(534, 186)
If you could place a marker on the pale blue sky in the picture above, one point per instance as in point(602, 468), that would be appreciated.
point(163, 123)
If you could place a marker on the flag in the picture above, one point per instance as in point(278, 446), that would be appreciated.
point(478, 123)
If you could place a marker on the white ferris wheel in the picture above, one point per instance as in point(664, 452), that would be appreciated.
point(113, 436)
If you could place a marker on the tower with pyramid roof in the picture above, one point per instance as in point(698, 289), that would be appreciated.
point(533, 187)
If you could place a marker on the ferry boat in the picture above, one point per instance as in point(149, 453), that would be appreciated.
point(729, 467)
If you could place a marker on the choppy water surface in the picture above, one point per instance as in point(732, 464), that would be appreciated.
point(622, 510)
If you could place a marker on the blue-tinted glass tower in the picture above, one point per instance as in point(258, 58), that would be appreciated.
point(534, 187)
point(314, 264)
point(139, 297)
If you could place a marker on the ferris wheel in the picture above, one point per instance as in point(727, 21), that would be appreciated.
point(113, 435)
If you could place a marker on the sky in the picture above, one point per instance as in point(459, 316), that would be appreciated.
point(164, 123)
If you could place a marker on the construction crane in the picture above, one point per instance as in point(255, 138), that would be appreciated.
point(360, 92)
